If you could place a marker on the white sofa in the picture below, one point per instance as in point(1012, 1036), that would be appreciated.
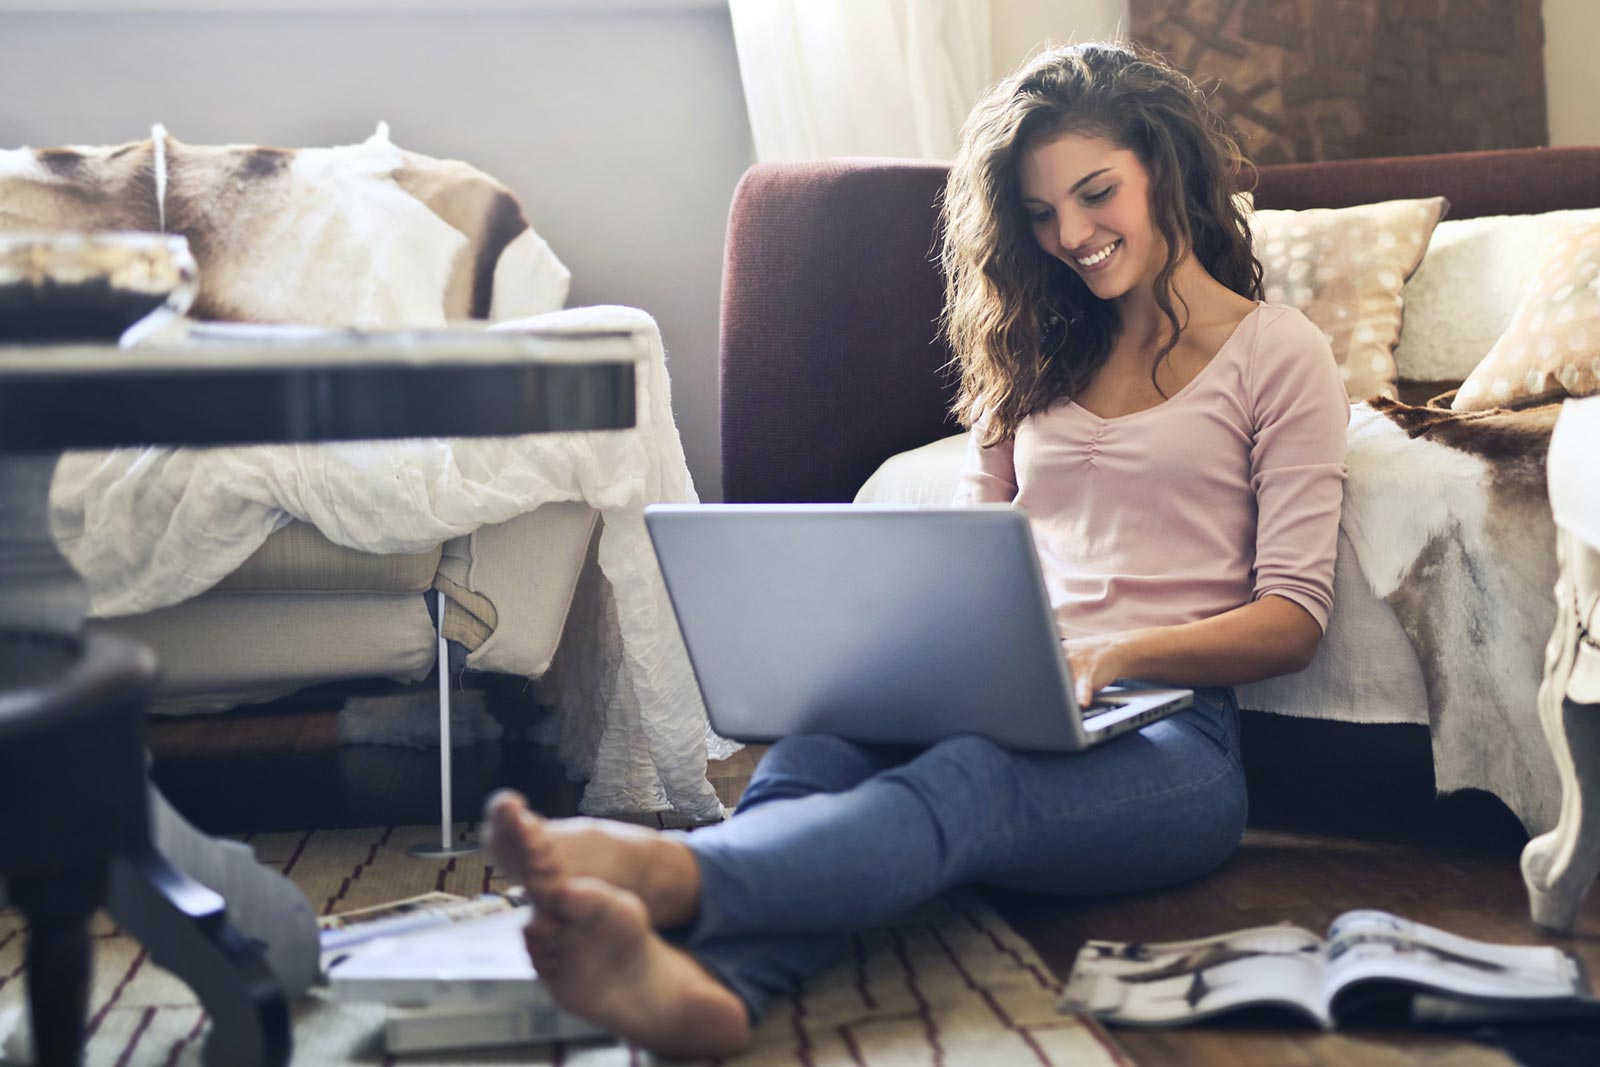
point(372, 236)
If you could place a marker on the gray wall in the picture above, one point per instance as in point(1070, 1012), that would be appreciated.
point(624, 132)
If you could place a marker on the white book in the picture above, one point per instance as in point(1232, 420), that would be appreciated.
point(474, 961)
point(441, 1027)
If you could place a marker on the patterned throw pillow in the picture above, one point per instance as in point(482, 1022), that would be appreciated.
point(1344, 269)
point(1552, 347)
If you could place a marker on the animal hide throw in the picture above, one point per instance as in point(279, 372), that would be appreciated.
point(363, 235)
point(1449, 517)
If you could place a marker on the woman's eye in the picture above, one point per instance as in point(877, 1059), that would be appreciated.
point(1101, 196)
point(1040, 218)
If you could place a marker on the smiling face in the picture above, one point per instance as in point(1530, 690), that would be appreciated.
point(1089, 202)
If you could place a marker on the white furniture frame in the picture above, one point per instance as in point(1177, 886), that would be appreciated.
point(1559, 867)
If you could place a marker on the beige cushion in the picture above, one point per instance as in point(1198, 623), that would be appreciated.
point(298, 558)
point(303, 611)
point(1552, 347)
point(1467, 288)
point(219, 650)
point(509, 586)
point(1344, 268)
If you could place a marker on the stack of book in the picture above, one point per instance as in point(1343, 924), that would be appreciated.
point(453, 970)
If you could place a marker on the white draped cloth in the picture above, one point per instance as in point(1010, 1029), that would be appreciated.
point(860, 77)
point(151, 527)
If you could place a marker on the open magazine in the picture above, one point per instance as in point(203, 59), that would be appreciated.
point(1368, 959)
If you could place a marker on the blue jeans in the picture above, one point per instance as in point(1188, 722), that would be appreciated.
point(832, 836)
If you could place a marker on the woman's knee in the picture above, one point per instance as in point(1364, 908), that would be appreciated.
point(1206, 832)
point(1216, 838)
point(802, 764)
point(1185, 835)
point(1205, 828)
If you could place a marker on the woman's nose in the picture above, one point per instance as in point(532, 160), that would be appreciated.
point(1074, 230)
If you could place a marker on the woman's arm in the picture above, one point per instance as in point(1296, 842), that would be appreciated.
point(1297, 468)
point(989, 475)
point(1262, 639)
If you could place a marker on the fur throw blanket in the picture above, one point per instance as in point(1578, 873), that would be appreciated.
point(363, 235)
point(1449, 516)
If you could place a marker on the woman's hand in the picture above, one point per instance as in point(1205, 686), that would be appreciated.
point(1262, 639)
point(1096, 662)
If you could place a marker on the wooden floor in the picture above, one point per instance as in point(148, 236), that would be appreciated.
point(1450, 863)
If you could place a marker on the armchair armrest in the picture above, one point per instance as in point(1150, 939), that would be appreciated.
point(830, 359)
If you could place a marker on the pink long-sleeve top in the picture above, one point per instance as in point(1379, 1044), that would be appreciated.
point(1227, 491)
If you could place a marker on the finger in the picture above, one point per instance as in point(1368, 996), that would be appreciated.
point(1086, 684)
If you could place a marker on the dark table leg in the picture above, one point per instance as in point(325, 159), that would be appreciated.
point(59, 958)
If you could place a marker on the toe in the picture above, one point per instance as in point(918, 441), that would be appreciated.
point(504, 798)
point(503, 820)
point(521, 844)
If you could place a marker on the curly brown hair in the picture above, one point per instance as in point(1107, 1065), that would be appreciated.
point(1024, 329)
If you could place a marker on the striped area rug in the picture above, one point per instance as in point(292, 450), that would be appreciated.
point(948, 984)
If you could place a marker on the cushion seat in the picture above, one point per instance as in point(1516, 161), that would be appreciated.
point(303, 610)
point(300, 558)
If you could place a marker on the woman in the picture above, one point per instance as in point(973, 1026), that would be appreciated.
point(1179, 445)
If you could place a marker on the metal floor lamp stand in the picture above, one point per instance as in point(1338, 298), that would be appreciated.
point(447, 846)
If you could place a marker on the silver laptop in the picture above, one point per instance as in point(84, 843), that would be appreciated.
point(879, 624)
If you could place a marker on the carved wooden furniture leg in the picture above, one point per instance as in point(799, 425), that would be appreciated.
point(185, 927)
point(1560, 866)
point(265, 906)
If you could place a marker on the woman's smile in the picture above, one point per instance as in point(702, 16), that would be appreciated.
point(1098, 260)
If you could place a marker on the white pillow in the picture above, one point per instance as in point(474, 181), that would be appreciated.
point(1467, 288)
point(926, 476)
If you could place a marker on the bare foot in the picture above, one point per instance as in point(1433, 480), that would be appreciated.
point(593, 946)
point(662, 872)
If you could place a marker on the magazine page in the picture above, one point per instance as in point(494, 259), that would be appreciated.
point(1169, 983)
point(397, 917)
point(1374, 945)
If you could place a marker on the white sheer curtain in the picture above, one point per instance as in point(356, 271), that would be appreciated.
point(860, 77)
